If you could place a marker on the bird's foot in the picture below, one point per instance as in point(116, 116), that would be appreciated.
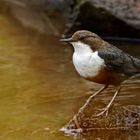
point(103, 111)
point(76, 122)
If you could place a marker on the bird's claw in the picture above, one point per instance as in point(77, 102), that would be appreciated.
point(103, 110)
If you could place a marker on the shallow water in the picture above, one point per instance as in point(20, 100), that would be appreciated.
point(39, 88)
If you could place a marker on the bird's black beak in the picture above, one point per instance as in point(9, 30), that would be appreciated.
point(67, 40)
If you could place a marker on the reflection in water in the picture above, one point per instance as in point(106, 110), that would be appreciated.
point(39, 88)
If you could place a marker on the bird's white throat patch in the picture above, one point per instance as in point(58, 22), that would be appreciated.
point(86, 62)
point(80, 47)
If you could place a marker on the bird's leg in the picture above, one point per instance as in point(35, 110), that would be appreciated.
point(110, 103)
point(87, 102)
point(92, 96)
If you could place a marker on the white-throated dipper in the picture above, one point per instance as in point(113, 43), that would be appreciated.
point(98, 61)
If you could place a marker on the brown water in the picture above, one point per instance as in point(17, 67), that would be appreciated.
point(39, 88)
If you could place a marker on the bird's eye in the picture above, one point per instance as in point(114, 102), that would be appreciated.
point(82, 38)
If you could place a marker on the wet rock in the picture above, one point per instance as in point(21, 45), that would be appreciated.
point(119, 120)
point(104, 17)
point(127, 10)
point(91, 16)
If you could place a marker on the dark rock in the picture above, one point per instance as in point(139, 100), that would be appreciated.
point(101, 21)
point(104, 17)
point(127, 10)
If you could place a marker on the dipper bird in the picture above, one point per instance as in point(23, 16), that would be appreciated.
point(98, 61)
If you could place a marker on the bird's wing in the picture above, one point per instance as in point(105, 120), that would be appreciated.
point(118, 61)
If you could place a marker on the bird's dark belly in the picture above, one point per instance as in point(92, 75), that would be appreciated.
point(108, 77)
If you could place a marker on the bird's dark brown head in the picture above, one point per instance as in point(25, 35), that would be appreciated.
point(88, 38)
point(84, 35)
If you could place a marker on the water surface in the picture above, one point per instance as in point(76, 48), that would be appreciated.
point(39, 88)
